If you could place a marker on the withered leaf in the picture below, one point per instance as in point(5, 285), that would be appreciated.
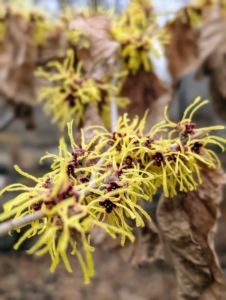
point(145, 91)
point(102, 47)
point(147, 247)
point(54, 47)
point(211, 34)
point(17, 64)
point(212, 56)
point(188, 222)
point(18, 61)
point(181, 52)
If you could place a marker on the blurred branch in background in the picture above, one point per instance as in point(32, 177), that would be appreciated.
point(20, 222)
point(93, 4)
point(6, 120)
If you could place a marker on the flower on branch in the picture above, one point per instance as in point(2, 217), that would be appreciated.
point(69, 92)
point(98, 186)
point(136, 30)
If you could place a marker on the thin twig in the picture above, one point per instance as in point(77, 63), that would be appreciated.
point(20, 222)
point(100, 162)
point(114, 108)
point(114, 113)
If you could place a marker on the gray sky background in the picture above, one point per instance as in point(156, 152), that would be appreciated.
point(160, 5)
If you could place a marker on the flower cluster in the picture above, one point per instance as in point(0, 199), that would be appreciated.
point(71, 91)
point(66, 16)
point(137, 32)
point(194, 13)
point(100, 183)
point(67, 220)
point(37, 19)
point(43, 26)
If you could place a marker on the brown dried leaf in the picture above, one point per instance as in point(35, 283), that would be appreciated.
point(148, 245)
point(17, 61)
point(17, 64)
point(181, 52)
point(102, 47)
point(218, 90)
point(54, 47)
point(188, 223)
point(212, 57)
point(145, 91)
point(211, 34)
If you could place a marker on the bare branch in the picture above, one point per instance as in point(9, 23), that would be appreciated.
point(114, 108)
point(20, 222)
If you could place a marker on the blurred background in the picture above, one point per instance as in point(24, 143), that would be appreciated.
point(26, 277)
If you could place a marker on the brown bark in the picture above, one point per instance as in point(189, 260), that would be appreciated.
point(181, 52)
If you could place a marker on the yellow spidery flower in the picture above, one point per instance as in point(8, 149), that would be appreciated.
point(194, 12)
point(43, 26)
point(137, 31)
point(70, 92)
point(192, 143)
point(67, 14)
point(67, 219)
point(41, 20)
point(171, 162)
point(100, 183)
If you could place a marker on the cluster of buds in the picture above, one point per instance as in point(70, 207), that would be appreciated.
point(99, 184)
